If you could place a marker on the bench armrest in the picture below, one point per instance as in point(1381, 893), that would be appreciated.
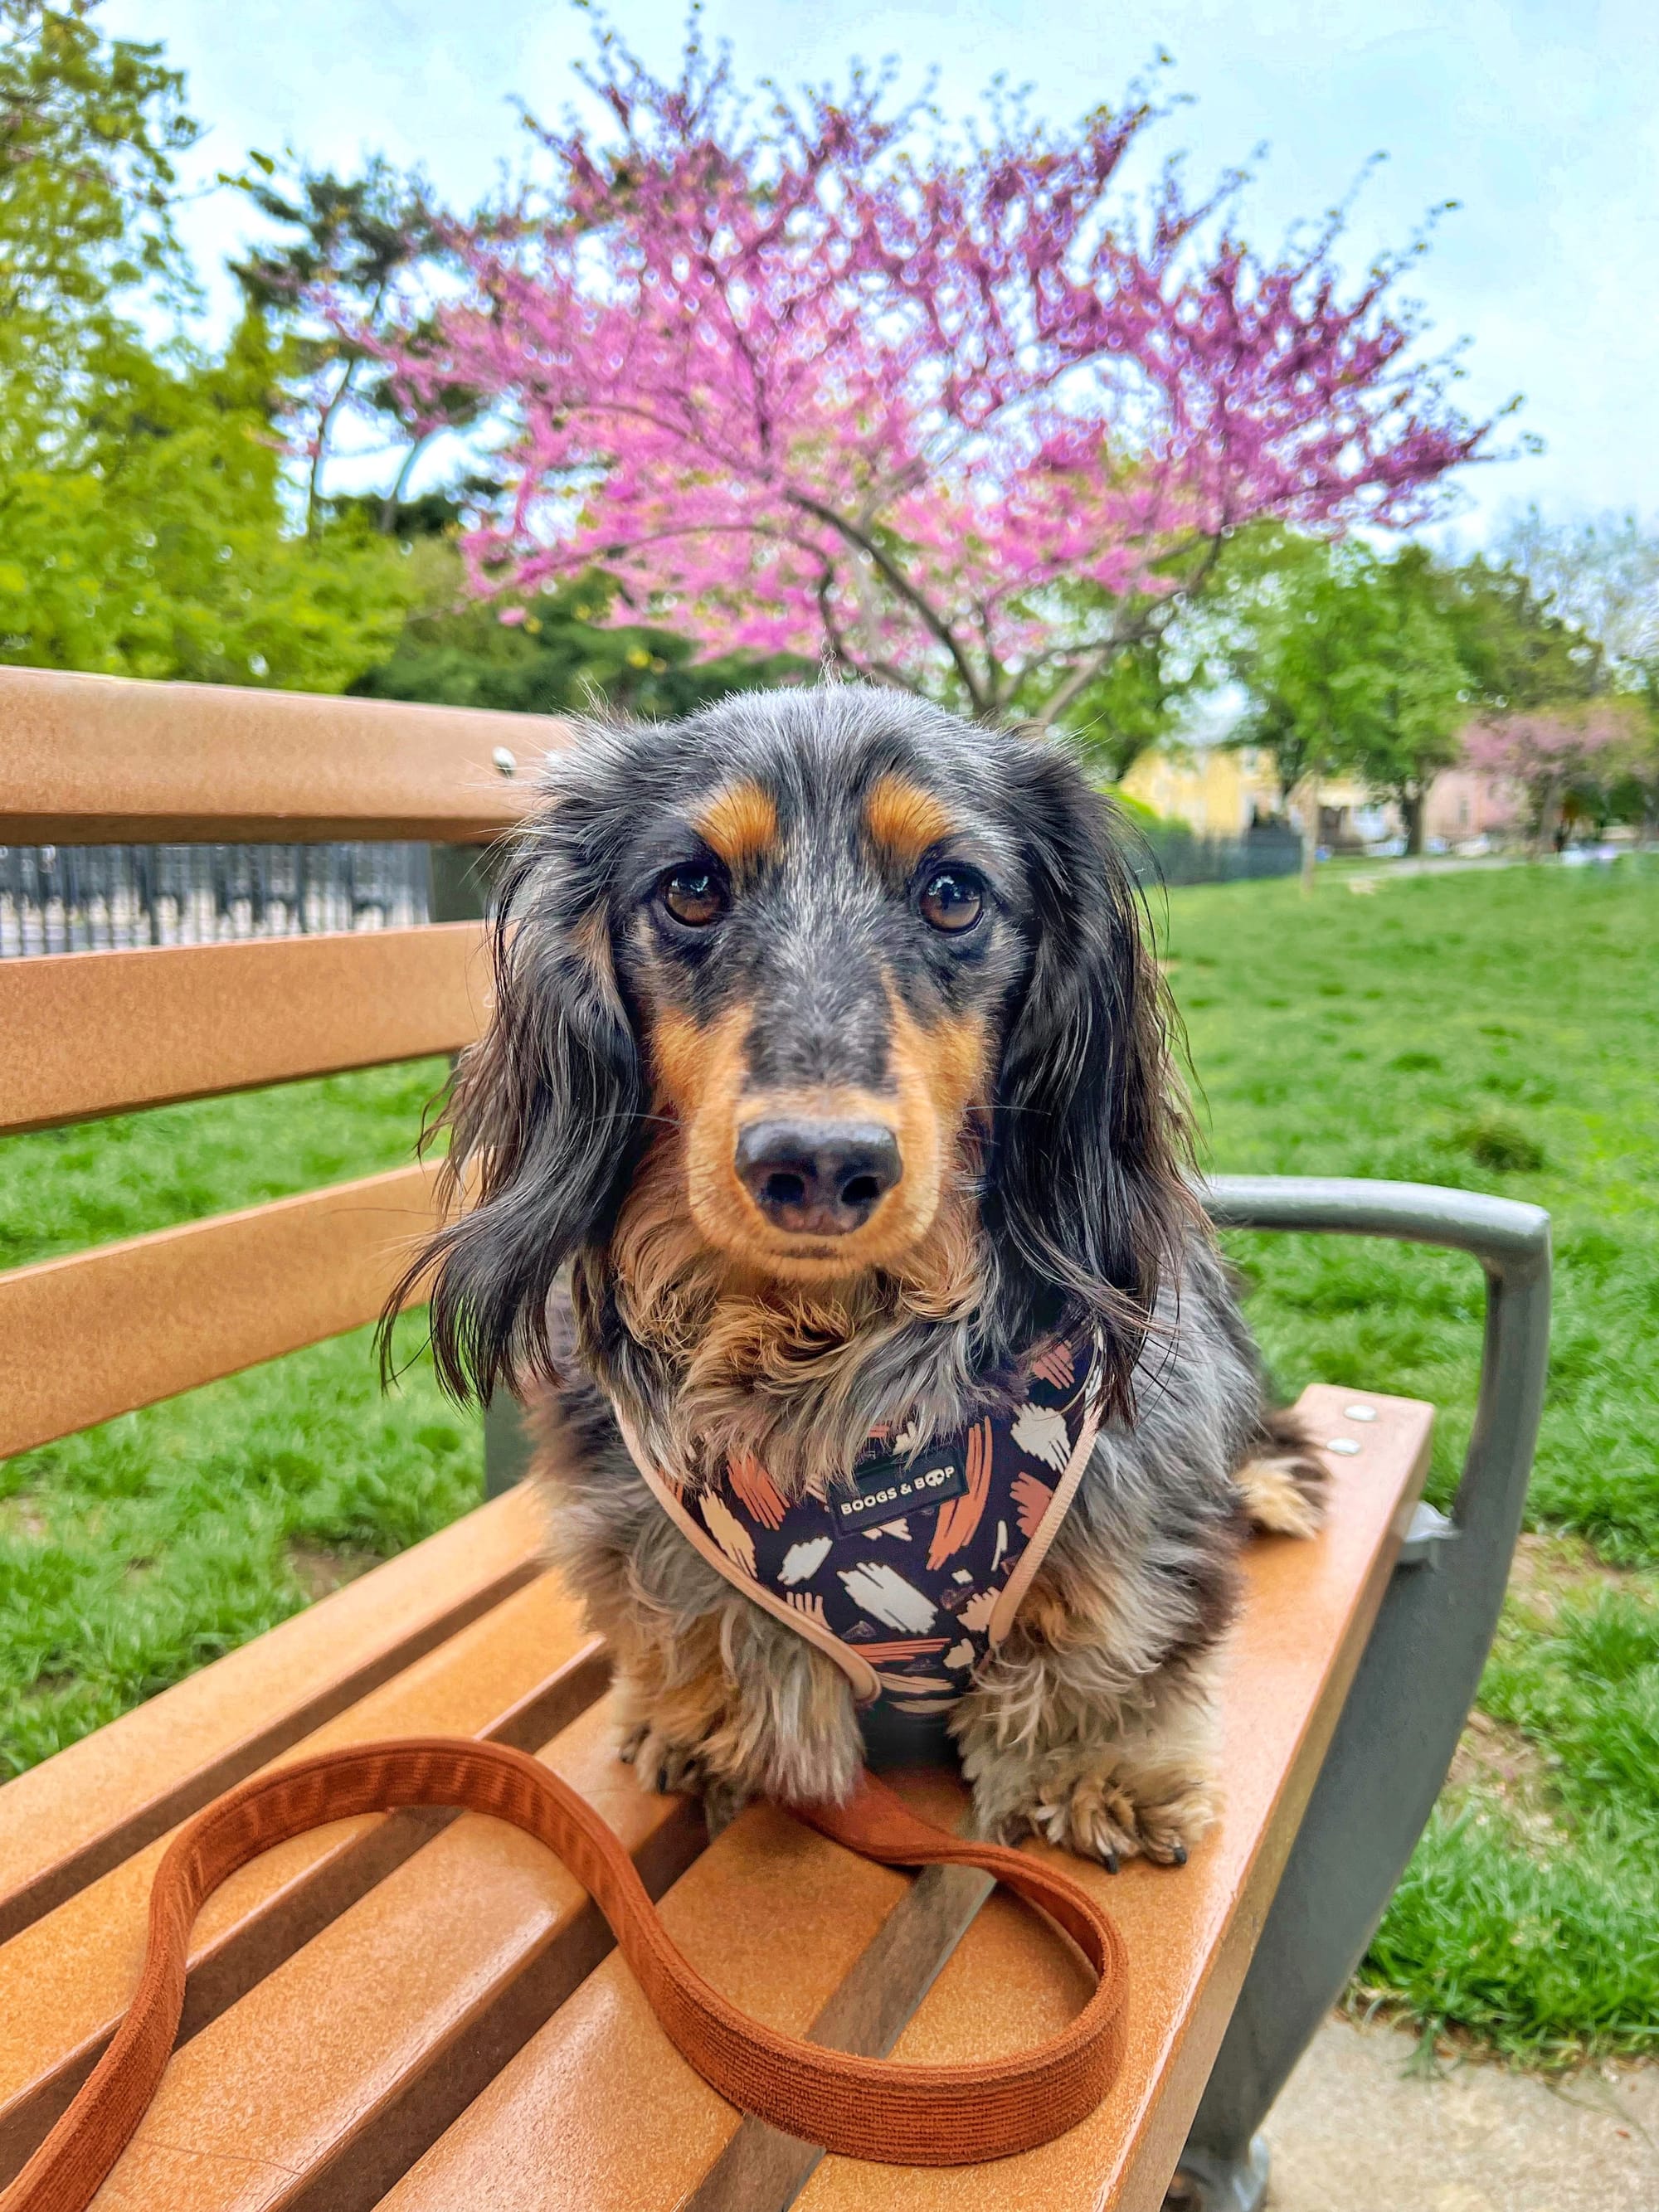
point(1511, 1240)
point(1420, 1669)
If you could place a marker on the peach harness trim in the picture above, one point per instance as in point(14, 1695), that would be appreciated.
point(1002, 1619)
point(867, 1684)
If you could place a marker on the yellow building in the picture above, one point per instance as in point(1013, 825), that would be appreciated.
point(1219, 791)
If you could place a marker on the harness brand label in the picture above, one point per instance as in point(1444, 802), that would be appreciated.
point(886, 1489)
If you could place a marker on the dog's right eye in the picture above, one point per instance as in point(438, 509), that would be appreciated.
point(695, 896)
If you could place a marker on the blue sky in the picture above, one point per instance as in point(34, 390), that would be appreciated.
point(1541, 117)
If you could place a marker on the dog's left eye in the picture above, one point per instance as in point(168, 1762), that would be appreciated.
point(695, 896)
point(952, 900)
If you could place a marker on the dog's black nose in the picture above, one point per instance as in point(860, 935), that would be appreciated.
point(817, 1178)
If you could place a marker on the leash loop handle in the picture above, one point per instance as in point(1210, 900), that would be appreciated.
point(865, 2108)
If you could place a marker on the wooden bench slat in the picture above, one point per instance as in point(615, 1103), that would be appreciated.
point(415, 2026)
point(99, 760)
point(1190, 1934)
point(90, 1033)
point(71, 1818)
point(517, 1674)
point(323, 2083)
point(153, 1315)
point(597, 2111)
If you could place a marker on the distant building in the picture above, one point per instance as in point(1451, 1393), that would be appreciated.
point(1351, 817)
point(1216, 791)
point(1219, 791)
point(1462, 803)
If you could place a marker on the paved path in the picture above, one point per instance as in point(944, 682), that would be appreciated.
point(1357, 2131)
point(1436, 864)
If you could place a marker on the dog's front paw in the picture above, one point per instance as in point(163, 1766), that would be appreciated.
point(1284, 1485)
point(1281, 1497)
point(1103, 1814)
point(673, 1769)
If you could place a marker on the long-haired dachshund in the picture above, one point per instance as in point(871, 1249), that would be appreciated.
point(829, 1188)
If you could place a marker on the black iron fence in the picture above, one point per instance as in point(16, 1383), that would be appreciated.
point(90, 898)
point(1184, 857)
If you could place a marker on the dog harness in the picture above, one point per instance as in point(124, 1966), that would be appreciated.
point(908, 1574)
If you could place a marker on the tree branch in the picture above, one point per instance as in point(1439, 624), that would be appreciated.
point(394, 498)
point(901, 583)
point(1154, 618)
point(871, 668)
point(320, 450)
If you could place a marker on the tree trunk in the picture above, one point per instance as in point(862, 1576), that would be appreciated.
point(1310, 829)
point(1549, 820)
point(1412, 803)
point(394, 499)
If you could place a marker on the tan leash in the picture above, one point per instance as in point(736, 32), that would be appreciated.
point(867, 2108)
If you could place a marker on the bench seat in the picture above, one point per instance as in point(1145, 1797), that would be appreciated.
point(426, 2012)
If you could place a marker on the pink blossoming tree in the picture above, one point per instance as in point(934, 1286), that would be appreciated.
point(812, 380)
point(1555, 751)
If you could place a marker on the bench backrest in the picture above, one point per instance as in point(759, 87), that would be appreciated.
point(444, 2013)
point(92, 760)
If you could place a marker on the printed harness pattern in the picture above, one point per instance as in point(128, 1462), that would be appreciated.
point(910, 1576)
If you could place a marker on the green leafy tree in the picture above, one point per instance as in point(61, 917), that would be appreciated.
point(347, 240)
point(166, 557)
point(1519, 653)
point(1133, 701)
point(1309, 651)
point(1420, 701)
point(142, 499)
point(1132, 707)
point(1351, 666)
point(1629, 788)
point(561, 654)
point(88, 133)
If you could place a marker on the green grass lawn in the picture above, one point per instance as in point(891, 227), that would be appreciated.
point(1499, 1031)
point(132, 1554)
point(1496, 1030)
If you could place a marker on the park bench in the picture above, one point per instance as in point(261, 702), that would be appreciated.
point(425, 2011)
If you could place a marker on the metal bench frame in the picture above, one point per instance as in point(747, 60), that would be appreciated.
point(1422, 1665)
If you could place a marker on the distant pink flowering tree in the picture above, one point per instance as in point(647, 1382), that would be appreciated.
point(962, 421)
point(1553, 751)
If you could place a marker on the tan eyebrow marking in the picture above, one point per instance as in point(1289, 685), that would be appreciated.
point(905, 818)
point(740, 823)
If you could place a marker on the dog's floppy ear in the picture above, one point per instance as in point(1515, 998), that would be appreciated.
point(543, 1117)
point(1089, 1191)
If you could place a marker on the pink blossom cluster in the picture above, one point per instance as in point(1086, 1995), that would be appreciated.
point(1551, 746)
point(820, 381)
